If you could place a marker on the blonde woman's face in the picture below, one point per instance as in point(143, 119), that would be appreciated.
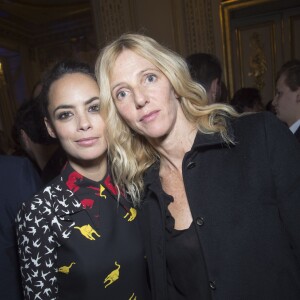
point(143, 95)
point(75, 118)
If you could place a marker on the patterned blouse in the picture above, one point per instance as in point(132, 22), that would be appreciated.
point(77, 241)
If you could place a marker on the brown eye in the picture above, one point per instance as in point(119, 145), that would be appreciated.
point(95, 108)
point(64, 115)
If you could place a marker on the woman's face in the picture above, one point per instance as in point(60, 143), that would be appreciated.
point(143, 95)
point(75, 118)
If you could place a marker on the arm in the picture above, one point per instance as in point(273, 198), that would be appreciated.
point(37, 251)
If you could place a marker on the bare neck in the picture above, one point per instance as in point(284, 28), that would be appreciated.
point(173, 147)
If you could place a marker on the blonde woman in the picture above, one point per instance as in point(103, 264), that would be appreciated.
point(219, 193)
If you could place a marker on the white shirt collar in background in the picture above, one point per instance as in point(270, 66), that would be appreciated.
point(295, 126)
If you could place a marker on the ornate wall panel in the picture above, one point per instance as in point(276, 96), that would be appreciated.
point(199, 26)
point(112, 18)
point(291, 34)
point(259, 36)
point(255, 57)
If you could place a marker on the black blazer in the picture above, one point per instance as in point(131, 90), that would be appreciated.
point(245, 202)
point(19, 181)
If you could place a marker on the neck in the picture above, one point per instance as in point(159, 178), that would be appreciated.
point(173, 147)
point(92, 169)
point(42, 153)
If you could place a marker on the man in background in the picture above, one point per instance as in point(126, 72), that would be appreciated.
point(287, 97)
point(18, 182)
point(206, 69)
point(31, 135)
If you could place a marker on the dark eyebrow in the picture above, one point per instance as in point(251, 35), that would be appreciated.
point(87, 102)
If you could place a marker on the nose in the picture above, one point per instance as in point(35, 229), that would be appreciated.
point(83, 122)
point(140, 98)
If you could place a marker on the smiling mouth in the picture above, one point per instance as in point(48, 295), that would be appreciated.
point(149, 117)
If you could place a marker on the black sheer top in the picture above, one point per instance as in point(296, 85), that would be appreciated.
point(186, 269)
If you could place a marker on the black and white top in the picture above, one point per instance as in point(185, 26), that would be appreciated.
point(77, 241)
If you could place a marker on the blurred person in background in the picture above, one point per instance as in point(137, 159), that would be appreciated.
point(31, 135)
point(206, 69)
point(19, 180)
point(287, 97)
point(247, 100)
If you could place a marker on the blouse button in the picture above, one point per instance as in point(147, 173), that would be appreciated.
point(191, 165)
point(200, 221)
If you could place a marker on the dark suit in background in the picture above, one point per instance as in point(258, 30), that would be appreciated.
point(297, 134)
point(18, 182)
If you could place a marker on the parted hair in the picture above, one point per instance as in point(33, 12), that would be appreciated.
point(130, 153)
point(60, 69)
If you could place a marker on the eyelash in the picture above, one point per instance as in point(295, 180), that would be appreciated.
point(64, 115)
point(153, 76)
point(94, 108)
point(67, 114)
point(118, 95)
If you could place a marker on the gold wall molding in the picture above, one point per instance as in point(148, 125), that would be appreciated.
point(227, 7)
point(258, 37)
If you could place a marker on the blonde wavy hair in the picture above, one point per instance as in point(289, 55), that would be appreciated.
point(130, 153)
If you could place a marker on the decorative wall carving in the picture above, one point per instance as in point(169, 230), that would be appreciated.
point(199, 26)
point(258, 38)
point(112, 18)
point(257, 60)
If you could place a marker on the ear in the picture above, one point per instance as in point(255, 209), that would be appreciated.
point(49, 128)
point(25, 138)
point(298, 95)
point(175, 94)
point(214, 87)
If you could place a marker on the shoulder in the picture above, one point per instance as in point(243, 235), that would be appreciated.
point(15, 162)
point(261, 124)
point(256, 120)
point(19, 178)
point(265, 131)
point(47, 194)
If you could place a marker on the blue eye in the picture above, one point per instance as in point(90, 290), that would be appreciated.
point(151, 78)
point(121, 94)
